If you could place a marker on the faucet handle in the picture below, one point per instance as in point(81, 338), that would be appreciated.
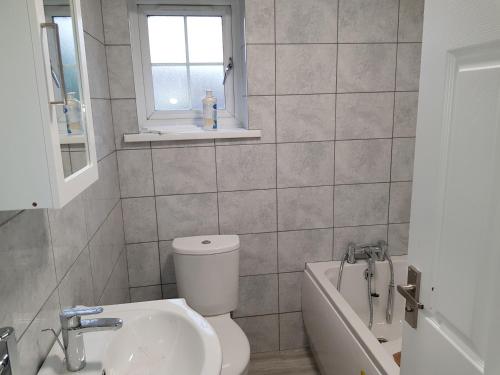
point(80, 311)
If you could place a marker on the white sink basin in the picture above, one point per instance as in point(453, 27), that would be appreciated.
point(157, 337)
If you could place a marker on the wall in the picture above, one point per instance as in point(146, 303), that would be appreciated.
point(334, 89)
point(59, 258)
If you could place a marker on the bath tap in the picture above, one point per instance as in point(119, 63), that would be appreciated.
point(73, 327)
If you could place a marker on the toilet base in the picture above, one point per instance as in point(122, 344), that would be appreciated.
point(234, 344)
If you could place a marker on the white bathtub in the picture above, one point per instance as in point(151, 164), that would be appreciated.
point(337, 323)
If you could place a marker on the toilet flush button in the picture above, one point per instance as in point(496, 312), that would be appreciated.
point(206, 242)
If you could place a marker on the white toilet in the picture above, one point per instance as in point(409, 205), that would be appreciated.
point(207, 272)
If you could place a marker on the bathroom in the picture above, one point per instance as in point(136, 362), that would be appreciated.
point(314, 165)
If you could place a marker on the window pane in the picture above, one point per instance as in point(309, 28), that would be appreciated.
point(207, 77)
point(170, 88)
point(167, 43)
point(205, 39)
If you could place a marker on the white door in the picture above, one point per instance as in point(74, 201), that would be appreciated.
point(455, 223)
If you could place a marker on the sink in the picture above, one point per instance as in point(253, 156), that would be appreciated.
point(157, 337)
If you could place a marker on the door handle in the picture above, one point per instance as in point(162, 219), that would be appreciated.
point(408, 292)
point(411, 292)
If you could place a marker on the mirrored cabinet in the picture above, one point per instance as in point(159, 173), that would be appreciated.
point(47, 147)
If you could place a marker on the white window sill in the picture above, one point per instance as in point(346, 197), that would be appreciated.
point(184, 133)
point(72, 139)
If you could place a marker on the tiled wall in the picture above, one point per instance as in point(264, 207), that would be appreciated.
point(58, 258)
point(334, 89)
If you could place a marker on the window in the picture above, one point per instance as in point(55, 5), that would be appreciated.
point(179, 52)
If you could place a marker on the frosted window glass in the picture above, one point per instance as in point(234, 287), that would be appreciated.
point(68, 55)
point(207, 77)
point(166, 39)
point(170, 86)
point(205, 39)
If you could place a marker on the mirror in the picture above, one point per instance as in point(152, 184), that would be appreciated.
point(66, 83)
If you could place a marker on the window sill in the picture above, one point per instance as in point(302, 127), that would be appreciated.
point(185, 133)
point(72, 139)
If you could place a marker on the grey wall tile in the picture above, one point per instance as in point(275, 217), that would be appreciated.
point(69, 234)
point(408, 70)
point(400, 203)
point(296, 248)
point(246, 167)
point(366, 67)
point(258, 254)
point(96, 68)
point(313, 21)
point(167, 263)
point(184, 170)
point(403, 153)
point(103, 127)
point(136, 173)
point(367, 21)
point(259, 21)
point(121, 76)
point(117, 290)
point(370, 234)
point(102, 195)
point(76, 287)
point(7, 215)
point(187, 215)
point(411, 16)
point(146, 293)
point(305, 68)
point(34, 346)
point(115, 17)
point(362, 161)
point(261, 115)
point(27, 272)
point(125, 121)
point(258, 295)
point(290, 291)
point(92, 19)
point(366, 115)
point(262, 332)
point(398, 238)
point(292, 332)
point(261, 69)
point(105, 249)
point(169, 291)
point(405, 114)
point(143, 264)
point(139, 219)
point(247, 211)
point(305, 164)
point(305, 208)
point(365, 204)
point(305, 118)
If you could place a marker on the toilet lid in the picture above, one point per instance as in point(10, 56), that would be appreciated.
point(234, 344)
point(206, 245)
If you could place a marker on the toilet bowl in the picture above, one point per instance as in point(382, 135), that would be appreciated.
point(207, 273)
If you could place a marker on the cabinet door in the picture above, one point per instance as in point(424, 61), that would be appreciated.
point(69, 98)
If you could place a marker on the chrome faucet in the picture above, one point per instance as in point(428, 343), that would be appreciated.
point(366, 252)
point(73, 328)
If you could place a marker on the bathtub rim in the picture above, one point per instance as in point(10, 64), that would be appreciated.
point(383, 360)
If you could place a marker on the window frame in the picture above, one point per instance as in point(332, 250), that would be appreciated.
point(141, 57)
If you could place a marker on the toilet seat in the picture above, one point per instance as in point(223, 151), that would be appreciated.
point(234, 345)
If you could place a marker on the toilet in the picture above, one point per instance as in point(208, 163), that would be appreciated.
point(207, 273)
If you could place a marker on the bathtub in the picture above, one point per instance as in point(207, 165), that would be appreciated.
point(337, 323)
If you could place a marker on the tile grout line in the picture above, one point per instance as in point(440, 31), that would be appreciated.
point(335, 130)
point(393, 126)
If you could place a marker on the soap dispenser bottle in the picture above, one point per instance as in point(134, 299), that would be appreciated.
point(209, 111)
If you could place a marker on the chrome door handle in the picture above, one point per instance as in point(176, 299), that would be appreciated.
point(54, 26)
point(408, 292)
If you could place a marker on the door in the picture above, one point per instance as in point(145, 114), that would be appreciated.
point(455, 223)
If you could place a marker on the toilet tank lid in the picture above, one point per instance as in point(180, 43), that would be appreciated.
point(206, 245)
